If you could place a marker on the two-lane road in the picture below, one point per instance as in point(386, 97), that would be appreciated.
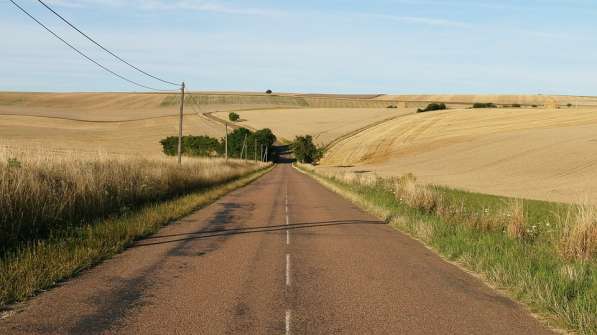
point(282, 255)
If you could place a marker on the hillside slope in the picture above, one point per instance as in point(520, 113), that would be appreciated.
point(533, 153)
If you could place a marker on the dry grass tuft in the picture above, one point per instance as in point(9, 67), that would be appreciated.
point(516, 225)
point(417, 196)
point(579, 237)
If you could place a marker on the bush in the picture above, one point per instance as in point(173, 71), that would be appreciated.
point(392, 106)
point(193, 146)
point(305, 151)
point(268, 92)
point(233, 117)
point(484, 105)
point(569, 105)
point(516, 105)
point(433, 107)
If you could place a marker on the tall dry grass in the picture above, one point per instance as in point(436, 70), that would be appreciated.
point(43, 194)
point(579, 236)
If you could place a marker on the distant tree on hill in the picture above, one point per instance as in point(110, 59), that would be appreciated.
point(269, 92)
point(433, 107)
point(233, 117)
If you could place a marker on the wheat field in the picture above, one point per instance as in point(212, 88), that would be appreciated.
point(324, 124)
point(532, 153)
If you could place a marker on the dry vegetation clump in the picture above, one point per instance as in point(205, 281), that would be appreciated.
point(417, 196)
point(42, 195)
point(579, 236)
point(516, 225)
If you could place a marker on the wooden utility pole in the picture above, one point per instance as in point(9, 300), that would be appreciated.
point(180, 123)
point(226, 139)
point(243, 149)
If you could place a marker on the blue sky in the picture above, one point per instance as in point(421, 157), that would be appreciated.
point(391, 46)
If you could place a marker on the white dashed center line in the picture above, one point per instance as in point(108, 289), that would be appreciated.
point(287, 269)
point(288, 322)
point(287, 256)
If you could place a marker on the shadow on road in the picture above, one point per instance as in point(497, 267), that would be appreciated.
point(283, 154)
point(250, 230)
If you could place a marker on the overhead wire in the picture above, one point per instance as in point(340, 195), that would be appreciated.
point(103, 67)
point(104, 48)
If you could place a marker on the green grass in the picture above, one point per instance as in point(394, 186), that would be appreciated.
point(563, 293)
point(41, 265)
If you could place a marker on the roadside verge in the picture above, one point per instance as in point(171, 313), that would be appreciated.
point(474, 232)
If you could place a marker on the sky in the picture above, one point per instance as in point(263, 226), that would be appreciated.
point(332, 46)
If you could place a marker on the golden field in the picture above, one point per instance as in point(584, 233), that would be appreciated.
point(501, 99)
point(546, 154)
point(134, 123)
point(324, 124)
point(538, 153)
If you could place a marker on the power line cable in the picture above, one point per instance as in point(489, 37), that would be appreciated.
point(103, 48)
point(83, 54)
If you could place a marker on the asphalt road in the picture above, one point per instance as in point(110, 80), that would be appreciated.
point(283, 255)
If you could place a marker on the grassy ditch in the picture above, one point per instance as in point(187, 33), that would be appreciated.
point(63, 239)
point(543, 254)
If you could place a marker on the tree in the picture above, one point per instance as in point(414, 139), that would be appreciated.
point(268, 92)
point(236, 140)
point(233, 117)
point(244, 141)
point(266, 138)
point(305, 151)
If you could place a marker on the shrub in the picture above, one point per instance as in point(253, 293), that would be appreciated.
point(193, 146)
point(569, 105)
point(579, 238)
point(305, 151)
point(268, 92)
point(534, 106)
point(233, 116)
point(516, 105)
point(392, 106)
point(433, 107)
point(484, 105)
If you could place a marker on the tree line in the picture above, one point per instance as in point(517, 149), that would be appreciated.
point(242, 143)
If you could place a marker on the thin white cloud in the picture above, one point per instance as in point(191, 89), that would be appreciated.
point(431, 21)
point(189, 5)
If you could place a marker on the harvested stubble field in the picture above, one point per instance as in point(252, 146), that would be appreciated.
point(132, 122)
point(324, 124)
point(502, 99)
point(531, 153)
